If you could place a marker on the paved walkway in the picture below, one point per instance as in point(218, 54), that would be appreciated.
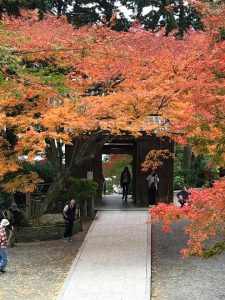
point(115, 202)
point(114, 260)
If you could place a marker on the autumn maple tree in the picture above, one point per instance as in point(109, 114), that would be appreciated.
point(79, 87)
point(203, 126)
point(61, 85)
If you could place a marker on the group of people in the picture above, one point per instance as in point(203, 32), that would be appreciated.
point(152, 180)
point(13, 216)
point(152, 183)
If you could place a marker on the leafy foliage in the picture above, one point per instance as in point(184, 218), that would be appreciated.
point(178, 182)
point(115, 166)
point(80, 86)
point(191, 170)
point(154, 159)
point(80, 189)
point(205, 211)
point(43, 168)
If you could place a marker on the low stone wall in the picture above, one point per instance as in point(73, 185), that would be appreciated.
point(44, 233)
point(51, 219)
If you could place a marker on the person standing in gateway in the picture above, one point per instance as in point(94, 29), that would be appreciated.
point(69, 215)
point(125, 180)
point(152, 180)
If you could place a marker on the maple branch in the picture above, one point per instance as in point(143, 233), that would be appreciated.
point(5, 74)
point(86, 148)
point(163, 103)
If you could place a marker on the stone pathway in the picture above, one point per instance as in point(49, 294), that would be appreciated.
point(115, 202)
point(114, 260)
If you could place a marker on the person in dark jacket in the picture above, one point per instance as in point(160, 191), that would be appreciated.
point(125, 180)
point(14, 216)
point(69, 215)
point(153, 181)
point(183, 196)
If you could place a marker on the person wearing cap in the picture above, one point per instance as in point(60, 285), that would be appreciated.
point(3, 245)
point(14, 216)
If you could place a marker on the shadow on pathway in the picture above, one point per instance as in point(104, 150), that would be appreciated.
point(115, 202)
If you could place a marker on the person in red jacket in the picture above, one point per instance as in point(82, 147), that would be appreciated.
point(3, 245)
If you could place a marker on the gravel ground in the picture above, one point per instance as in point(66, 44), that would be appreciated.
point(175, 278)
point(36, 271)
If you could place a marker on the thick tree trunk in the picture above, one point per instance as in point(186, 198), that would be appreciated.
point(181, 17)
point(55, 189)
point(82, 150)
point(187, 155)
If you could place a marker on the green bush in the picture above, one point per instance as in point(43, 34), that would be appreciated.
point(178, 182)
point(189, 168)
point(80, 189)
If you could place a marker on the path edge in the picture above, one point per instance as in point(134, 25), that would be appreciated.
point(77, 258)
point(148, 285)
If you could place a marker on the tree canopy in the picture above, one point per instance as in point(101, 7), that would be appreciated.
point(153, 14)
point(79, 86)
point(94, 78)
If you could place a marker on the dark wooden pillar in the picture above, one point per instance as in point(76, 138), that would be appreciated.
point(165, 173)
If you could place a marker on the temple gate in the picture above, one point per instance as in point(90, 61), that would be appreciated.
point(138, 148)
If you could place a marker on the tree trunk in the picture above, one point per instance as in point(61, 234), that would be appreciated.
point(187, 155)
point(82, 150)
point(181, 18)
point(59, 8)
point(55, 189)
point(28, 206)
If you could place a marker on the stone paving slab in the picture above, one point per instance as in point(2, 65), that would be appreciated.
point(114, 260)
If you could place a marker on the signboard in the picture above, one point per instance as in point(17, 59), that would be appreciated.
point(90, 175)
